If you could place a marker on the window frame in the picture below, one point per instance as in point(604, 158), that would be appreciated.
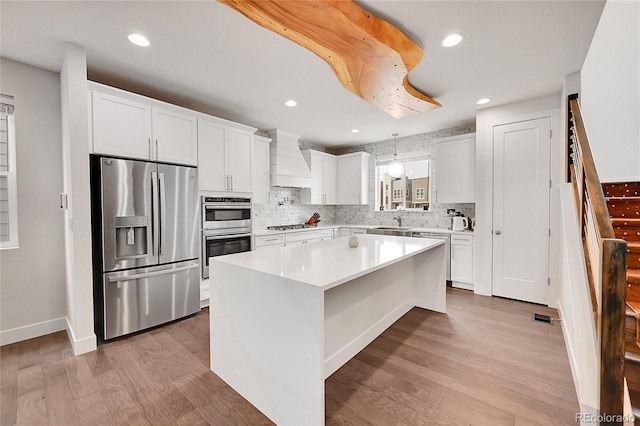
point(7, 108)
point(383, 161)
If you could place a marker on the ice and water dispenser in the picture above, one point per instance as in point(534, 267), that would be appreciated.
point(132, 234)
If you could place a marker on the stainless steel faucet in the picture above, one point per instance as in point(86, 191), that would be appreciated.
point(399, 219)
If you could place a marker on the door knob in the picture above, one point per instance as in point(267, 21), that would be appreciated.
point(498, 232)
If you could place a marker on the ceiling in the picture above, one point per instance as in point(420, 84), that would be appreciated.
point(206, 56)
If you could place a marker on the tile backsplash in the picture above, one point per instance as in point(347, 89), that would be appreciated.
point(284, 204)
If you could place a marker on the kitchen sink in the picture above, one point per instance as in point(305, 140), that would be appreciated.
point(398, 231)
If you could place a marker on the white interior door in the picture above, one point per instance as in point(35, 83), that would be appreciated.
point(521, 176)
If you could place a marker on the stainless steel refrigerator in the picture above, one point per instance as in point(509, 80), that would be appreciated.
point(145, 233)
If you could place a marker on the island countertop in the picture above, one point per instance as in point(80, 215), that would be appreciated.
point(283, 319)
point(326, 264)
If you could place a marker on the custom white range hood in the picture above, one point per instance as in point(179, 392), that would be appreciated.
point(288, 167)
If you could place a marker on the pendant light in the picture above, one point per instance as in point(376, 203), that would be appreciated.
point(395, 169)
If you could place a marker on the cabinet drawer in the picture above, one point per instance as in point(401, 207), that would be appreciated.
point(326, 233)
point(461, 240)
point(268, 240)
point(301, 236)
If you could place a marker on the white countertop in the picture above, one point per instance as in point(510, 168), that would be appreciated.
point(258, 231)
point(329, 263)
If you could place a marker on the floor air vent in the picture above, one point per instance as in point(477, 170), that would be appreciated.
point(542, 318)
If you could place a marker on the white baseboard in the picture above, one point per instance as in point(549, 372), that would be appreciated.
point(204, 303)
point(33, 330)
point(464, 286)
point(80, 346)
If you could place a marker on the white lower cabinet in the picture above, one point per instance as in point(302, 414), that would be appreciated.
point(347, 232)
point(302, 237)
point(462, 261)
point(292, 238)
point(326, 234)
point(268, 241)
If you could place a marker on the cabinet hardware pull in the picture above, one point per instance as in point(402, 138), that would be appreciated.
point(149, 145)
point(156, 149)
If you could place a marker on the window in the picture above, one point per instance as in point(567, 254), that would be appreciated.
point(407, 192)
point(8, 196)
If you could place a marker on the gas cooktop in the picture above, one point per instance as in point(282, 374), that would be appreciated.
point(289, 227)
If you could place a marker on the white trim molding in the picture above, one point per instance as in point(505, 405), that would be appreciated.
point(81, 346)
point(31, 331)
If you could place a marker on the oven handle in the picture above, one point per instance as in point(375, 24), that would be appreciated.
point(226, 206)
point(225, 237)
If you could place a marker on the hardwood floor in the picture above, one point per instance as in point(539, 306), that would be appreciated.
point(483, 363)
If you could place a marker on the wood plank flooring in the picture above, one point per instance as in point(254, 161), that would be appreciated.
point(483, 363)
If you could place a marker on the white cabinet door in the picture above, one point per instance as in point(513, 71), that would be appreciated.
point(455, 160)
point(260, 174)
point(265, 241)
point(344, 232)
point(314, 194)
point(329, 179)
point(352, 179)
point(121, 127)
point(239, 160)
point(175, 138)
point(462, 259)
point(212, 154)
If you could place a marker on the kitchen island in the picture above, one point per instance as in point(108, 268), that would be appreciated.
point(286, 318)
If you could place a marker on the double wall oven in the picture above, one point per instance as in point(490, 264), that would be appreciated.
point(226, 228)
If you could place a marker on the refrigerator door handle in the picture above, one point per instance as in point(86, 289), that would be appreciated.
point(163, 214)
point(118, 278)
point(154, 213)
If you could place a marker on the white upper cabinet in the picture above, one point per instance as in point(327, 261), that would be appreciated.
point(175, 138)
point(260, 170)
point(239, 160)
point(212, 156)
point(455, 169)
point(323, 171)
point(352, 178)
point(224, 157)
point(129, 125)
point(121, 127)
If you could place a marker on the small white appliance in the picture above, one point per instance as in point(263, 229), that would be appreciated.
point(459, 223)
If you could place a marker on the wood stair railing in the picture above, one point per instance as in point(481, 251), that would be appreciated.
point(605, 256)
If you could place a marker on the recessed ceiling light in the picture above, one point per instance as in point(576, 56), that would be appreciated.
point(451, 40)
point(138, 40)
point(355, 130)
point(483, 101)
point(291, 103)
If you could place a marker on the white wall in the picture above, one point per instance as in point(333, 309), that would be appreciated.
point(75, 137)
point(32, 289)
point(610, 96)
point(486, 119)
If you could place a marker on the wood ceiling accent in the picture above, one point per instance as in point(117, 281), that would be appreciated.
point(370, 57)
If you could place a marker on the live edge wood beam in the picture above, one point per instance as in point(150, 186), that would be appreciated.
point(370, 57)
